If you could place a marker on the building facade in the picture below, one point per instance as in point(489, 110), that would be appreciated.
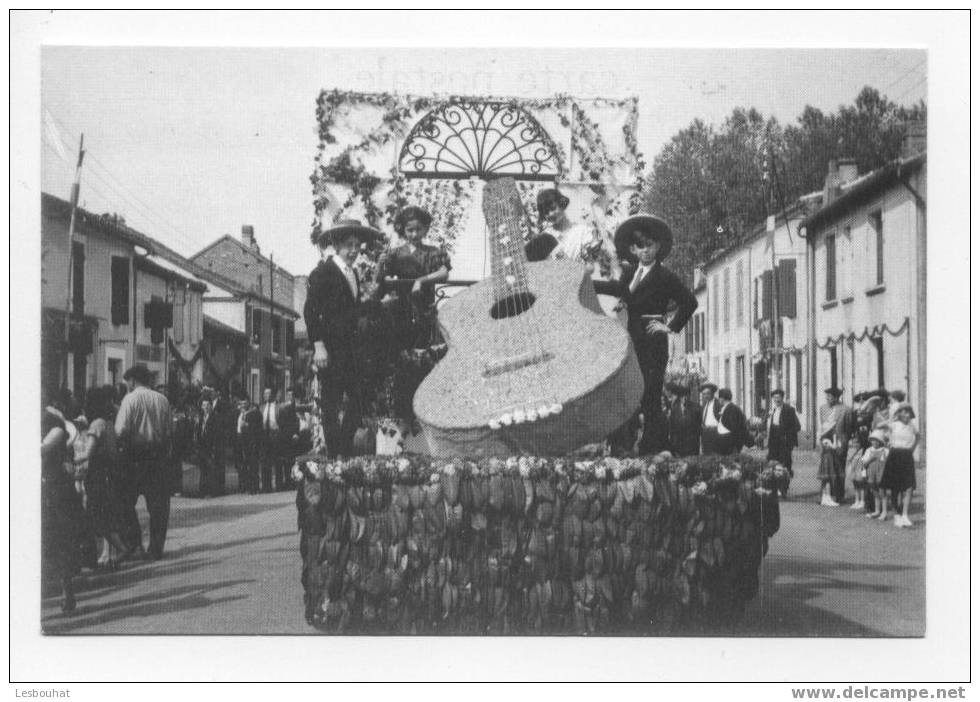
point(868, 257)
point(260, 329)
point(251, 296)
point(131, 301)
point(242, 262)
point(688, 350)
point(755, 306)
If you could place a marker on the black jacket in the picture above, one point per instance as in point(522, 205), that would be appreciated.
point(655, 292)
point(783, 435)
point(288, 420)
point(685, 427)
point(207, 431)
point(331, 310)
point(733, 419)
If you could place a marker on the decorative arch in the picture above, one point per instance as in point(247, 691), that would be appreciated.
point(487, 139)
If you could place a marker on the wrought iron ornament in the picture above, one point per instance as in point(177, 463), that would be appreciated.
point(487, 139)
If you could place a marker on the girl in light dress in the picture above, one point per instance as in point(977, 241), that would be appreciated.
point(899, 470)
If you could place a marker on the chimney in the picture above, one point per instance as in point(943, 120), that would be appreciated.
point(248, 237)
point(831, 184)
point(914, 141)
point(847, 170)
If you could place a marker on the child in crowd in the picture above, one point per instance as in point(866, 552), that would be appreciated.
point(873, 462)
point(899, 472)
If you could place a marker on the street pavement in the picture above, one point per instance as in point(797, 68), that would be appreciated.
point(232, 566)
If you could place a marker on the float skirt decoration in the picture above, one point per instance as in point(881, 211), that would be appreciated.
point(416, 545)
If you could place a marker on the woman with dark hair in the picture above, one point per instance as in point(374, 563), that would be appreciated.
point(60, 508)
point(102, 487)
point(410, 271)
point(423, 265)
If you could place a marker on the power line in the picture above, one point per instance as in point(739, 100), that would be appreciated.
point(145, 211)
point(915, 85)
point(904, 75)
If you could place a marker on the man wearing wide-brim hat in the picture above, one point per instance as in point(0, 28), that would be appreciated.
point(647, 288)
point(332, 302)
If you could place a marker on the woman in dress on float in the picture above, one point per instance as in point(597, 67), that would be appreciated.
point(415, 311)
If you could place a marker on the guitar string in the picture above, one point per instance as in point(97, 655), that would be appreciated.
point(513, 310)
point(502, 303)
point(530, 319)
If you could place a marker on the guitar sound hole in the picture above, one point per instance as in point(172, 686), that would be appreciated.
point(512, 305)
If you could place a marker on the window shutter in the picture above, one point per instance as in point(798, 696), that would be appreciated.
point(831, 256)
point(120, 290)
point(767, 294)
point(787, 288)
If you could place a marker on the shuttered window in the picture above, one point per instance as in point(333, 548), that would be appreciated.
point(714, 305)
point(119, 271)
point(256, 326)
point(879, 244)
point(830, 255)
point(767, 295)
point(786, 271)
point(728, 299)
point(739, 294)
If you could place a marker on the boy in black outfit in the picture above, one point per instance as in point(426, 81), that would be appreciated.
point(331, 312)
point(647, 288)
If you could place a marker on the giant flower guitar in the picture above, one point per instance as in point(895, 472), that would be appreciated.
point(533, 366)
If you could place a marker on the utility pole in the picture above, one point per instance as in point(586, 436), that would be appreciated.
point(75, 186)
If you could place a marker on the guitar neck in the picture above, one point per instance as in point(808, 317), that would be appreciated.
point(504, 213)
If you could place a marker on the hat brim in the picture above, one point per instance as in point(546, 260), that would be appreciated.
point(708, 386)
point(365, 235)
point(623, 238)
point(836, 392)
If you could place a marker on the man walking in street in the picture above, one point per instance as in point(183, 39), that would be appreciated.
point(733, 429)
point(207, 440)
point(143, 428)
point(270, 439)
point(288, 440)
point(782, 428)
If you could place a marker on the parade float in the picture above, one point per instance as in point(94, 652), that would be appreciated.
point(416, 545)
point(505, 525)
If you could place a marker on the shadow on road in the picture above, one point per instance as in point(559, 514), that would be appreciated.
point(154, 603)
point(789, 584)
point(224, 545)
point(215, 510)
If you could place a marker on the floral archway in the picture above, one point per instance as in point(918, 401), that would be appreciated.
point(378, 152)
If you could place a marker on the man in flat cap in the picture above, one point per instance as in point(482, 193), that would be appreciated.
point(647, 288)
point(331, 312)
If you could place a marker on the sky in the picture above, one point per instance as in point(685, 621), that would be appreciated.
point(189, 144)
